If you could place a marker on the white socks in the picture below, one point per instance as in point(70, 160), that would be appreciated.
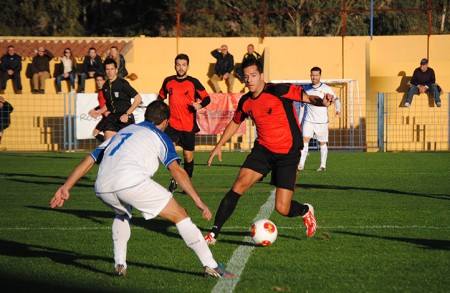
point(194, 240)
point(304, 155)
point(323, 155)
point(121, 232)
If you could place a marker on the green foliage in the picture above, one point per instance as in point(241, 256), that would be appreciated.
point(220, 18)
point(383, 226)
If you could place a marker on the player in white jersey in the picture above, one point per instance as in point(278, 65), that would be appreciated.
point(127, 162)
point(315, 119)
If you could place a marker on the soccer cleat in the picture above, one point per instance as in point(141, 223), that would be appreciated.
point(300, 168)
point(438, 104)
point(173, 185)
point(407, 105)
point(321, 169)
point(219, 272)
point(120, 271)
point(209, 238)
point(310, 221)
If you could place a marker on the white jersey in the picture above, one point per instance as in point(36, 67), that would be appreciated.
point(132, 156)
point(316, 114)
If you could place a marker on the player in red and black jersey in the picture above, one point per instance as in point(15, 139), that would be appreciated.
point(186, 95)
point(277, 146)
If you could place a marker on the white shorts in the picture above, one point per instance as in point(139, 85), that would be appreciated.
point(148, 197)
point(319, 129)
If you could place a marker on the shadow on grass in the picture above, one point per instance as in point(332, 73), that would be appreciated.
point(424, 243)
point(392, 191)
point(156, 225)
point(39, 179)
point(64, 257)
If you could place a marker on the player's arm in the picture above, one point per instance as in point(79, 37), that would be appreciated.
point(337, 103)
point(182, 178)
point(62, 194)
point(326, 101)
point(229, 131)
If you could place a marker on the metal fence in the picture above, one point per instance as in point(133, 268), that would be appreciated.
point(47, 123)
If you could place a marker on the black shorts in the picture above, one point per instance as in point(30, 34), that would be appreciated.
point(101, 124)
point(283, 166)
point(184, 139)
point(113, 123)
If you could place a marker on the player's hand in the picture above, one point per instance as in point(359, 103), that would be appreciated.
point(215, 152)
point(206, 213)
point(338, 114)
point(61, 195)
point(124, 118)
point(197, 106)
point(328, 99)
point(94, 113)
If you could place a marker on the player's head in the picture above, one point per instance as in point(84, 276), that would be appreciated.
point(250, 49)
point(253, 75)
point(158, 113)
point(99, 80)
point(315, 75)
point(181, 65)
point(111, 68)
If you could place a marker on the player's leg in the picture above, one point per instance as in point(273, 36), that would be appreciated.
point(121, 230)
point(304, 154)
point(187, 142)
point(253, 169)
point(284, 177)
point(321, 131)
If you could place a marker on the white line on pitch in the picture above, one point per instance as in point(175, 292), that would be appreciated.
point(241, 255)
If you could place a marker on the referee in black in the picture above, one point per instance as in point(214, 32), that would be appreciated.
point(118, 94)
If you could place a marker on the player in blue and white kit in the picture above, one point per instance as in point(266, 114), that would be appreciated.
point(127, 163)
point(315, 119)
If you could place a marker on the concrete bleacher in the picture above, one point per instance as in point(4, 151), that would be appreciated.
point(26, 48)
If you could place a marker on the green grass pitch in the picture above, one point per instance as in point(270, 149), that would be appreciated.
point(383, 226)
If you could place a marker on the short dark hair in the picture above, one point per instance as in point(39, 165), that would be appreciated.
point(115, 47)
point(157, 111)
point(92, 48)
point(316, 68)
point(110, 61)
point(182, 57)
point(252, 61)
point(97, 74)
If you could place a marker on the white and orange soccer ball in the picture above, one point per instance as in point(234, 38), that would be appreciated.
point(264, 232)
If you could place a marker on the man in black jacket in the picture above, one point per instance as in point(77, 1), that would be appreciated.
point(92, 65)
point(10, 69)
point(423, 81)
point(224, 68)
point(5, 112)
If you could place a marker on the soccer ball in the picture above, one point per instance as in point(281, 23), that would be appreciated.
point(264, 232)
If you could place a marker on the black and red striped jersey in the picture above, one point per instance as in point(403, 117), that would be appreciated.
point(274, 116)
point(182, 93)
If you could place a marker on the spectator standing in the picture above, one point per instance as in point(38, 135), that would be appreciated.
point(11, 66)
point(315, 119)
point(423, 81)
point(118, 94)
point(186, 95)
point(223, 69)
point(92, 65)
point(66, 70)
point(5, 118)
point(40, 69)
point(120, 61)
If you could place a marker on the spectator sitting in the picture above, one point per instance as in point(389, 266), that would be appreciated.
point(251, 53)
point(40, 70)
point(423, 80)
point(66, 70)
point(92, 65)
point(10, 66)
point(223, 69)
point(120, 61)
